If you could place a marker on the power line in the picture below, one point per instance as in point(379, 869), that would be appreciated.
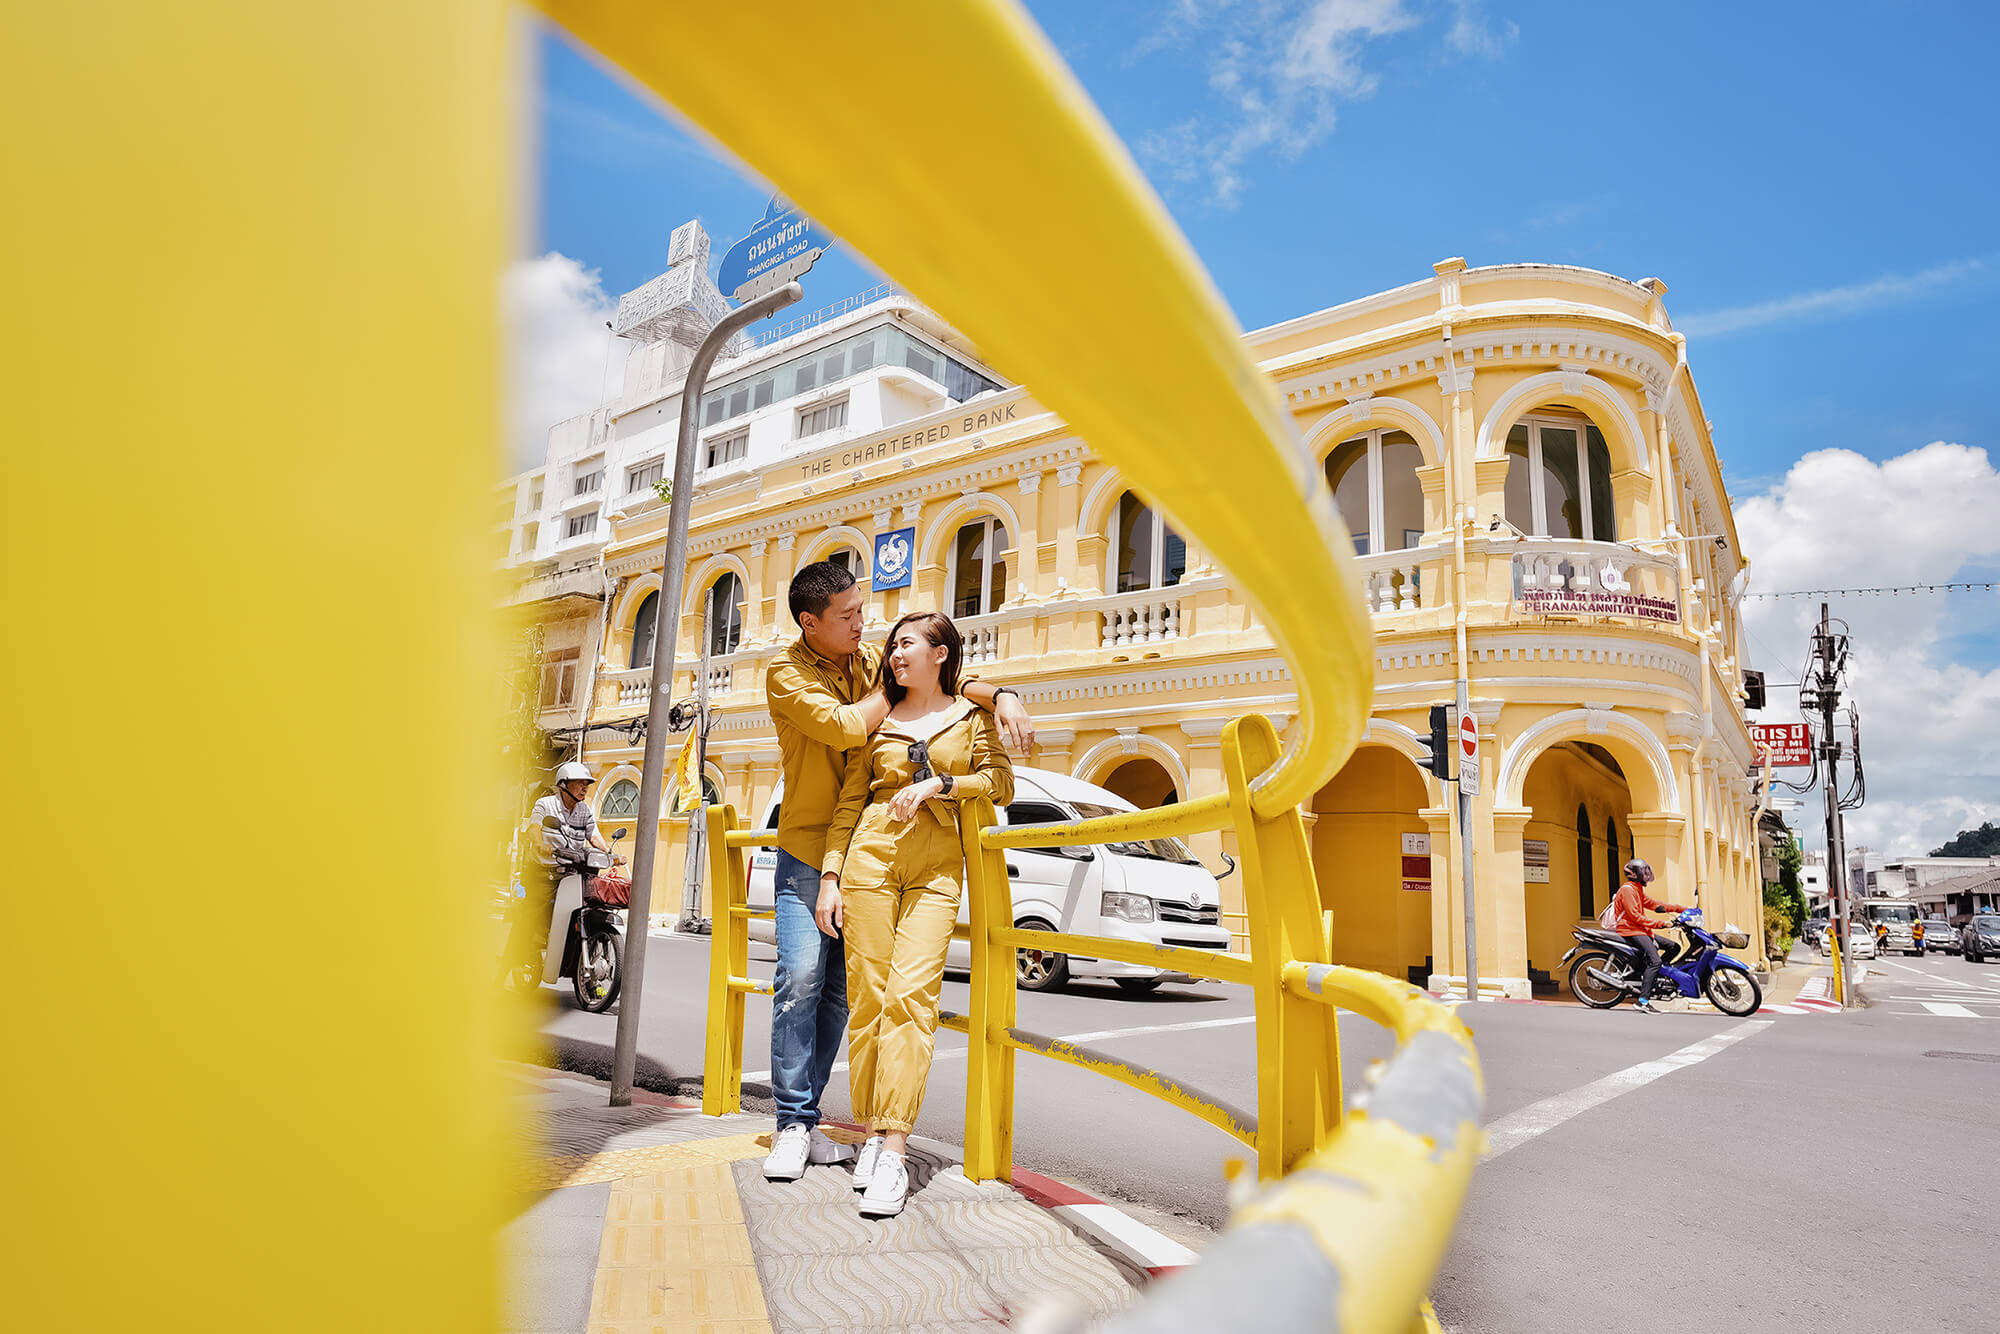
point(1892, 590)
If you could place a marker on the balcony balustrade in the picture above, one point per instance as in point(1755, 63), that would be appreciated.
point(1562, 577)
point(1392, 579)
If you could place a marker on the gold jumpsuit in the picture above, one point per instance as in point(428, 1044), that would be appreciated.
point(900, 886)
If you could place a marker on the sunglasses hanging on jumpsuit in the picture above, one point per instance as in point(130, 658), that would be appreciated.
point(900, 886)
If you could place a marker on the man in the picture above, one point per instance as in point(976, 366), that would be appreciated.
point(1629, 909)
point(570, 804)
point(825, 697)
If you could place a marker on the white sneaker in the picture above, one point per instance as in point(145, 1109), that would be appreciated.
point(787, 1160)
point(864, 1162)
point(823, 1148)
point(887, 1185)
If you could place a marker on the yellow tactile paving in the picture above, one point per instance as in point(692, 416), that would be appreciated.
point(675, 1255)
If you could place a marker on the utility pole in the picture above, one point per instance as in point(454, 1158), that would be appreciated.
point(1821, 693)
point(666, 628)
point(697, 813)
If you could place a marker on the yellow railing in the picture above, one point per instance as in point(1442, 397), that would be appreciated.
point(1056, 259)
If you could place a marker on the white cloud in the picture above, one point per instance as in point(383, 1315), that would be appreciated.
point(561, 359)
point(1890, 289)
point(1472, 35)
point(1930, 705)
point(1276, 71)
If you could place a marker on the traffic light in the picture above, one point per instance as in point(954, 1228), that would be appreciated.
point(1753, 689)
point(1439, 761)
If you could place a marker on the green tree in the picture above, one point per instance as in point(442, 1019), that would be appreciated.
point(1981, 842)
point(1784, 897)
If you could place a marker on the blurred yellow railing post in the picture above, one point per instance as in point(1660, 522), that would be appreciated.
point(728, 957)
point(989, 1087)
point(1298, 1046)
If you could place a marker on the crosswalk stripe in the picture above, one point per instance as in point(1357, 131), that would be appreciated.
point(1949, 1010)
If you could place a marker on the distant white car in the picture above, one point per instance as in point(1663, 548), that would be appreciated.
point(1153, 891)
point(1860, 942)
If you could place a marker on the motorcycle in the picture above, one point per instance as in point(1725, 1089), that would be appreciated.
point(593, 941)
point(1607, 968)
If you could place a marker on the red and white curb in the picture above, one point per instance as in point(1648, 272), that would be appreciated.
point(1815, 997)
point(1106, 1224)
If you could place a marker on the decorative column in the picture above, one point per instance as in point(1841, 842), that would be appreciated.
point(1053, 747)
point(1074, 632)
point(779, 571)
point(1203, 757)
point(757, 597)
point(1034, 558)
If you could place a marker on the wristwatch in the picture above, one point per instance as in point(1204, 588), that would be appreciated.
point(945, 784)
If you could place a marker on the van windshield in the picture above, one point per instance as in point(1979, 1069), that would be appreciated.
point(1156, 849)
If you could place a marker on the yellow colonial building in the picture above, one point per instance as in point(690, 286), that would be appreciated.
point(1521, 457)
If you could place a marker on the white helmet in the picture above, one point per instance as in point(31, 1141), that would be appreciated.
point(574, 771)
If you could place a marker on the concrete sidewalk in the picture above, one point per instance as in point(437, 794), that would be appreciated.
point(656, 1218)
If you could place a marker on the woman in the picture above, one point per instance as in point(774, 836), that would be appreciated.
point(891, 879)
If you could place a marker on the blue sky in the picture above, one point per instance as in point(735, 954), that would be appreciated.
point(1813, 182)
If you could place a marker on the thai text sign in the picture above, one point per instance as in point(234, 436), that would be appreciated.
point(782, 246)
point(1535, 861)
point(1597, 602)
point(1417, 863)
point(1791, 744)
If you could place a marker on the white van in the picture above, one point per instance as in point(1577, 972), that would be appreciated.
point(1154, 891)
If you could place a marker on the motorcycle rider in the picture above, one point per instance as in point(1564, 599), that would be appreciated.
point(1629, 908)
point(569, 803)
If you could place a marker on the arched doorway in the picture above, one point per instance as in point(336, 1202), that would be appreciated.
point(1143, 781)
point(1571, 848)
point(1371, 854)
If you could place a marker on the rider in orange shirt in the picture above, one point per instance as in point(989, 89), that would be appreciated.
point(1629, 909)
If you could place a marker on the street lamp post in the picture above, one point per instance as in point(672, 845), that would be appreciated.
point(665, 630)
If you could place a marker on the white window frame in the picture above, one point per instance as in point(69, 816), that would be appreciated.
point(1373, 462)
point(1537, 500)
point(712, 604)
point(586, 518)
point(587, 483)
point(633, 486)
point(799, 431)
point(989, 522)
point(738, 438)
point(1159, 570)
point(553, 663)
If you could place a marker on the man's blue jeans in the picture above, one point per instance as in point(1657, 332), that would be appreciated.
point(809, 997)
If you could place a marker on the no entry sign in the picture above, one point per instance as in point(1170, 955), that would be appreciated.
point(1468, 754)
point(1791, 744)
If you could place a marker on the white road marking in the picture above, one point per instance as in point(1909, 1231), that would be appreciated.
point(1936, 980)
point(1949, 1010)
point(1518, 1127)
point(946, 1054)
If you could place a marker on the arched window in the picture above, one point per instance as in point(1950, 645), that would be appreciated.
point(1148, 552)
point(978, 574)
point(1586, 897)
point(1612, 866)
point(1559, 480)
point(848, 559)
point(1374, 482)
point(725, 615)
point(644, 627)
point(621, 802)
point(711, 795)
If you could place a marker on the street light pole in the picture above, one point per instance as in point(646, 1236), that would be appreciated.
point(666, 627)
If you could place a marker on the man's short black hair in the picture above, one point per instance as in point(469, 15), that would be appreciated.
point(814, 586)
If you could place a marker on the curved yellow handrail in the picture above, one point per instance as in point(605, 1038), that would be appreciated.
point(1115, 325)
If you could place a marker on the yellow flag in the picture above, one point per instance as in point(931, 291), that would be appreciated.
point(687, 774)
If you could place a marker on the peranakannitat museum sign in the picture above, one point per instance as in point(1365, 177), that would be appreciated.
point(1597, 602)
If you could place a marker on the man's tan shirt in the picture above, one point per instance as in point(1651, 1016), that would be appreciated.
point(812, 701)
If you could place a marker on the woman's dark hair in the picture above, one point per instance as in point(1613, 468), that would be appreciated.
point(938, 629)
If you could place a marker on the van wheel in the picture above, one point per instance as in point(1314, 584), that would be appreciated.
point(1139, 986)
point(1040, 970)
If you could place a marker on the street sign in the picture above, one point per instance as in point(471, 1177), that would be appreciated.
point(1468, 754)
point(1791, 744)
point(782, 246)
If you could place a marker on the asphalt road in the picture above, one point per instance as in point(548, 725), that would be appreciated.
point(1651, 1171)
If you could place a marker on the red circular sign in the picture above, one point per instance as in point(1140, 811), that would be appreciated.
point(1468, 735)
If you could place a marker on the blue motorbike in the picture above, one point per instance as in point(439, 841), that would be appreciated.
point(1607, 968)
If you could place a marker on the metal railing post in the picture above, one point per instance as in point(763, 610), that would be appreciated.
point(1298, 1044)
point(989, 1082)
point(728, 956)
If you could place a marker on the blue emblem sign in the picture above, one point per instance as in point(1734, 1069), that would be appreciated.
point(895, 554)
point(783, 245)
